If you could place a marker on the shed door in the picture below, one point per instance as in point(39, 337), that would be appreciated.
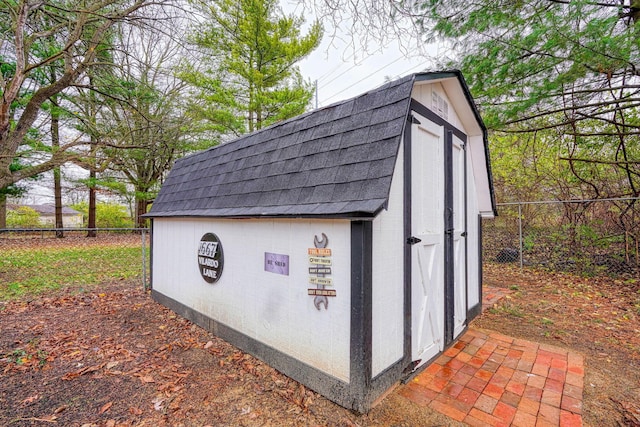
point(438, 215)
point(458, 178)
point(427, 224)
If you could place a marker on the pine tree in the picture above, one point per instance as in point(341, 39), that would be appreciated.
point(247, 77)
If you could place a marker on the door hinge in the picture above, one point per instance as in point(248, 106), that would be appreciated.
point(413, 240)
point(463, 234)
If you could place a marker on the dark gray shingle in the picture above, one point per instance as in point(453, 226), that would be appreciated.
point(335, 161)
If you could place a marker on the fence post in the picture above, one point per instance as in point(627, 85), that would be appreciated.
point(520, 235)
point(144, 259)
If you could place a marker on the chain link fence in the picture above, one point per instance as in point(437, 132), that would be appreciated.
point(34, 261)
point(587, 237)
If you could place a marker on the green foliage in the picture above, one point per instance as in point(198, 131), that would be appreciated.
point(528, 243)
point(23, 217)
point(248, 78)
point(14, 189)
point(563, 71)
point(509, 308)
point(108, 215)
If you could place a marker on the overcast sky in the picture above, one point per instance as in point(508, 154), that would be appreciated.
point(344, 68)
point(339, 78)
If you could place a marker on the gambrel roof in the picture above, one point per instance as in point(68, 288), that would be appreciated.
point(337, 161)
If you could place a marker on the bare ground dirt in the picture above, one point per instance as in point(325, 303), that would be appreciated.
point(111, 356)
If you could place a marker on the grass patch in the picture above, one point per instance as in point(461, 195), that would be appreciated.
point(508, 308)
point(38, 270)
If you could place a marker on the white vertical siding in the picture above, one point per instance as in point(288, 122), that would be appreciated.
point(423, 93)
point(271, 308)
point(388, 277)
point(473, 261)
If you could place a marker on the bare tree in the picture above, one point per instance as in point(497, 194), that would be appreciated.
point(72, 37)
point(134, 113)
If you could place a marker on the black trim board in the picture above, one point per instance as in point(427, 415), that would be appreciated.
point(476, 310)
point(407, 141)
point(449, 259)
point(363, 388)
point(350, 216)
point(361, 313)
point(151, 253)
point(465, 235)
point(429, 114)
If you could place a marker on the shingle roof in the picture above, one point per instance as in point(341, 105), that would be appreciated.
point(336, 161)
point(51, 210)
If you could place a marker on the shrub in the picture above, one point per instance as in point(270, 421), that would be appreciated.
point(108, 215)
point(23, 217)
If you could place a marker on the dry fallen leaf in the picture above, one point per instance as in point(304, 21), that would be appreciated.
point(147, 379)
point(112, 364)
point(105, 407)
point(60, 409)
point(30, 399)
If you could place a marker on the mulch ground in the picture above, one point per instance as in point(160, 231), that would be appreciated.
point(114, 357)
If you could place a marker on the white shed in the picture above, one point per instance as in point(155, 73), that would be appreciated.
point(343, 246)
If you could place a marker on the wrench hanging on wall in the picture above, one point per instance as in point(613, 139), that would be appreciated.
point(318, 300)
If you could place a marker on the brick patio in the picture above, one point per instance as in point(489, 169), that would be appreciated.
point(491, 295)
point(490, 379)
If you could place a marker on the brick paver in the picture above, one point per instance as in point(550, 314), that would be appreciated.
point(491, 295)
point(490, 379)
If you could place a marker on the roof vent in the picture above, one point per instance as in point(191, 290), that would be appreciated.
point(440, 106)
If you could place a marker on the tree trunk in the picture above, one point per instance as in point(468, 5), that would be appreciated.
point(57, 195)
point(141, 209)
point(3, 211)
point(91, 214)
point(57, 185)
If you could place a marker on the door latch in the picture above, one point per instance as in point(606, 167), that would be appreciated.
point(413, 240)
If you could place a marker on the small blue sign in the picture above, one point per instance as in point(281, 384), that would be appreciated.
point(276, 263)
